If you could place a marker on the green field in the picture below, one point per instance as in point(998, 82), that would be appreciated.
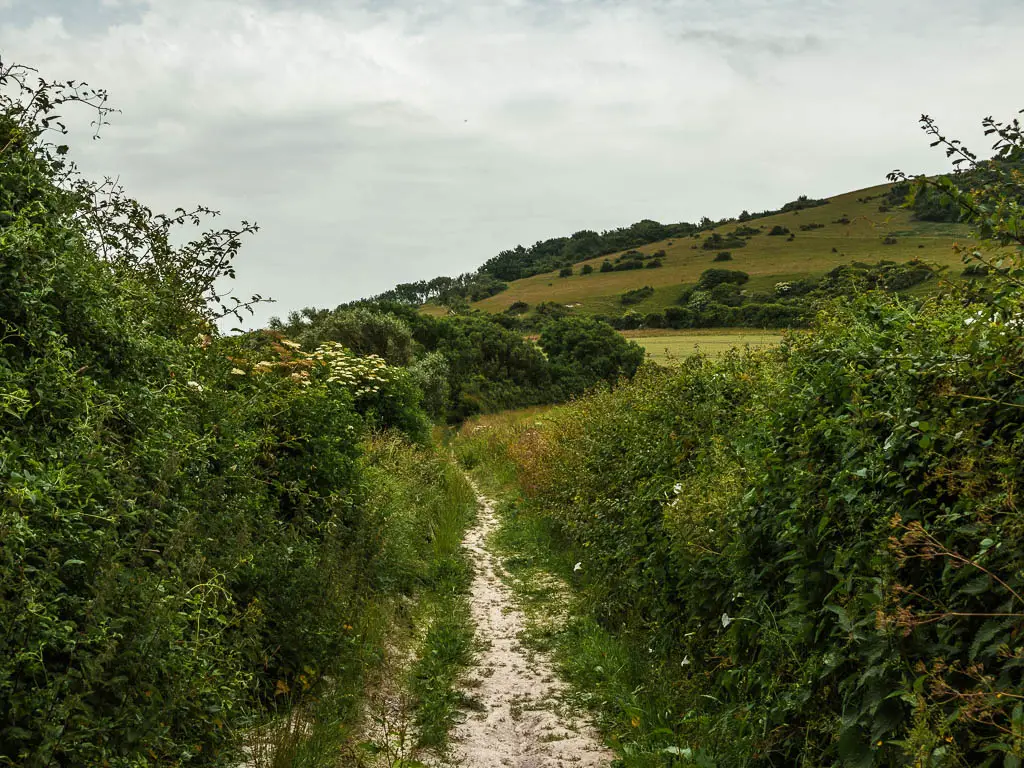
point(667, 346)
point(765, 258)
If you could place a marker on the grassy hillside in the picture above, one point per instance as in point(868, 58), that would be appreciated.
point(767, 259)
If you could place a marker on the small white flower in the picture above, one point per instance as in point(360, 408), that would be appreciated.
point(726, 621)
point(195, 385)
point(577, 567)
point(237, 372)
point(677, 488)
point(685, 662)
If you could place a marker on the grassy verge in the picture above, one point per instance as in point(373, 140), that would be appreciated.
point(396, 693)
point(447, 645)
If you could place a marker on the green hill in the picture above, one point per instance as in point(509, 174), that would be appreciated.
point(857, 226)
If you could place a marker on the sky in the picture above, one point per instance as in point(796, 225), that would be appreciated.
point(397, 140)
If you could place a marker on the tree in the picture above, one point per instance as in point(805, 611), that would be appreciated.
point(584, 351)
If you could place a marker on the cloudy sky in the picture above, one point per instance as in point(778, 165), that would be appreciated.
point(387, 141)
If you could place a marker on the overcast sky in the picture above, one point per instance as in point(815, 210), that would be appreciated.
point(390, 141)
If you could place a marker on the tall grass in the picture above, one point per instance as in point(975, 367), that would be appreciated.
point(423, 504)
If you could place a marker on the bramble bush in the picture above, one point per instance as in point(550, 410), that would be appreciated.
point(817, 552)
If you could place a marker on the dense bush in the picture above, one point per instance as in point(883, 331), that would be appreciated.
point(565, 272)
point(811, 556)
point(583, 352)
point(833, 521)
point(709, 278)
point(363, 330)
point(778, 229)
point(491, 367)
point(723, 256)
point(636, 295)
point(183, 528)
point(717, 242)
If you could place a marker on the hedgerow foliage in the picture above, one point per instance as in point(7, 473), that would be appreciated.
point(822, 545)
point(182, 531)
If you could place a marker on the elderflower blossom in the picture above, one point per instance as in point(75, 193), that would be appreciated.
point(360, 375)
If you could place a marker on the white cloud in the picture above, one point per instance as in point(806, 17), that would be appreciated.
point(378, 146)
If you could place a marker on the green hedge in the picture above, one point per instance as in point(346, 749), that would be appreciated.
point(824, 542)
point(183, 527)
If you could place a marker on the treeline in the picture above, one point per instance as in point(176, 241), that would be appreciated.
point(808, 556)
point(558, 252)
point(475, 362)
point(801, 203)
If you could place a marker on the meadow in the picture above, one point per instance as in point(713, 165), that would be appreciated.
point(668, 346)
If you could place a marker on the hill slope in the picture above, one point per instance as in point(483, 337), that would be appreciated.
point(852, 228)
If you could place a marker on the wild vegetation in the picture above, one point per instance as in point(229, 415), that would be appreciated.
point(475, 362)
point(194, 532)
point(211, 545)
point(207, 542)
point(810, 555)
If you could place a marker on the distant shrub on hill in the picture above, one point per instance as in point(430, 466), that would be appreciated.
point(565, 272)
point(586, 269)
point(636, 295)
point(745, 231)
point(718, 242)
point(778, 230)
point(709, 278)
point(723, 256)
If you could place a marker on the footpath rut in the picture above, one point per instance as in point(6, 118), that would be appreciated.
point(519, 722)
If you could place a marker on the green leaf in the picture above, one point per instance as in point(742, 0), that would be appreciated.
point(854, 751)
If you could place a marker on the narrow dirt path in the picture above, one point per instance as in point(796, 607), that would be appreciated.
point(520, 722)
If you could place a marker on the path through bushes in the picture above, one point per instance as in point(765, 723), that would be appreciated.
point(518, 720)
